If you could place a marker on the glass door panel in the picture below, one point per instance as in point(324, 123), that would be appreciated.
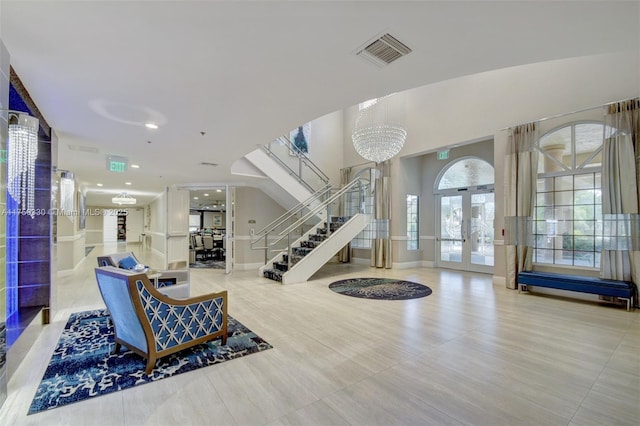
point(450, 239)
point(481, 235)
point(465, 239)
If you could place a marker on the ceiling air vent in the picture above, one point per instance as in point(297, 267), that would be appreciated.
point(384, 50)
point(205, 163)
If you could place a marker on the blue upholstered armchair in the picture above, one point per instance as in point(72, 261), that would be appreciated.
point(154, 325)
point(173, 282)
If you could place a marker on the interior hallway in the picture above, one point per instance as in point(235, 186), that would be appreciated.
point(470, 353)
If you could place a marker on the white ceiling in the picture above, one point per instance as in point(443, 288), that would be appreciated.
point(220, 77)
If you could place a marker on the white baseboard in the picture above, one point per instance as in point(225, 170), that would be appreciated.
point(406, 265)
point(397, 265)
point(502, 281)
point(248, 266)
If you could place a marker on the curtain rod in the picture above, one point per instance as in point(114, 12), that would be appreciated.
point(570, 113)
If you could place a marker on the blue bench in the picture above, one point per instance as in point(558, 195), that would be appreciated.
point(625, 290)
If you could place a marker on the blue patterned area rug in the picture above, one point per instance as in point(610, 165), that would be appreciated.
point(380, 288)
point(83, 366)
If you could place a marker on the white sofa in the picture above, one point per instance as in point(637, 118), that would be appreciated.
point(172, 282)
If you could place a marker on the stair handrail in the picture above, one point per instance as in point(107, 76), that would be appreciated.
point(271, 227)
point(313, 212)
point(302, 158)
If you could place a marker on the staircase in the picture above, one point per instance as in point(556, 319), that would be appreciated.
point(315, 249)
point(299, 242)
point(285, 165)
point(300, 254)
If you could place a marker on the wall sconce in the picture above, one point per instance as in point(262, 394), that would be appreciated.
point(67, 192)
point(22, 152)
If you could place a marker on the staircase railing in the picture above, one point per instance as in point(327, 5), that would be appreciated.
point(350, 200)
point(260, 239)
point(297, 163)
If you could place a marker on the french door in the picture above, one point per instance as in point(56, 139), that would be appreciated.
point(465, 234)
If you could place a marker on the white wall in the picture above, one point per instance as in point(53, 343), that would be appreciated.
point(325, 144)
point(479, 107)
point(110, 228)
point(252, 205)
point(135, 224)
point(71, 239)
point(93, 228)
point(156, 220)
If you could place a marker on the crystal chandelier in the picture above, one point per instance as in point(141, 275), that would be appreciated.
point(123, 198)
point(374, 138)
point(22, 152)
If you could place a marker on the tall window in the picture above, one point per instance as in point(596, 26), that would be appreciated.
point(568, 213)
point(412, 222)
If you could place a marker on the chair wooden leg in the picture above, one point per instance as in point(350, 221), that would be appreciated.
point(117, 348)
point(151, 362)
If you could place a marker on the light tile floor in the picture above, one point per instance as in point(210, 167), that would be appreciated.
point(471, 353)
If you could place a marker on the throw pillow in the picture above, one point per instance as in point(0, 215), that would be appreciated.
point(127, 263)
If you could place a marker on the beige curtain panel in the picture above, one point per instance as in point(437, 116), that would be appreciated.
point(521, 173)
point(344, 255)
point(381, 245)
point(620, 181)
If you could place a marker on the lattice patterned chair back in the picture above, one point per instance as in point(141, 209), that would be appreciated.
point(154, 325)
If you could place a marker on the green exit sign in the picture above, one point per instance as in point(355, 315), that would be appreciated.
point(117, 164)
point(443, 155)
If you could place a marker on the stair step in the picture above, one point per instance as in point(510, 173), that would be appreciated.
point(310, 244)
point(301, 251)
point(281, 266)
point(273, 274)
point(340, 219)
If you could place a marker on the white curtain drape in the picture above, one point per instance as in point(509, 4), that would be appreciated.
point(344, 255)
point(521, 171)
point(620, 182)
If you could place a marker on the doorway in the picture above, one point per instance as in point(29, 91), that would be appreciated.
point(466, 214)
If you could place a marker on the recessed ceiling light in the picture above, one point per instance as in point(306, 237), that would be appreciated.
point(98, 184)
point(218, 190)
point(195, 198)
point(127, 183)
point(151, 126)
point(206, 195)
point(135, 166)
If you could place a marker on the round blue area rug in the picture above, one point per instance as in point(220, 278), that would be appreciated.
point(380, 288)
